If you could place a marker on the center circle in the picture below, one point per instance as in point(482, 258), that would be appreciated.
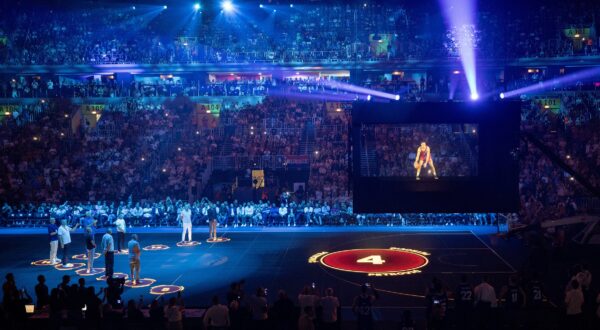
point(374, 260)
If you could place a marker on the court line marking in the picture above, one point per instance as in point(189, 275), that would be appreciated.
point(378, 290)
point(496, 253)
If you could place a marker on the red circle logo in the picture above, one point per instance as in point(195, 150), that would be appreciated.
point(376, 261)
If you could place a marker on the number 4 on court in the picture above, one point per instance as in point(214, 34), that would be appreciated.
point(374, 259)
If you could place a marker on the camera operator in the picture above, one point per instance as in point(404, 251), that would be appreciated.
point(113, 291)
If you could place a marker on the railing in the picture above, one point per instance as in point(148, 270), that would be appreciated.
point(588, 204)
point(246, 162)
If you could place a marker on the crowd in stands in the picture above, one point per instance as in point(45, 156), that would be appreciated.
point(317, 32)
point(152, 150)
point(60, 87)
point(520, 302)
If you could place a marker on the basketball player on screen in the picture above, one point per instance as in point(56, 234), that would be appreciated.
point(423, 159)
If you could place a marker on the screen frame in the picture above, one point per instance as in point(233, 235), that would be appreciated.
point(494, 189)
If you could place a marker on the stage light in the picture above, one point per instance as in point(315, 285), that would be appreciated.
point(474, 96)
point(274, 10)
point(460, 15)
point(334, 84)
point(261, 6)
point(291, 5)
point(553, 83)
point(196, 6)
point(227, 6)
point(368, 97)
point(502, 95)
point(133, 7)
point(165, 7)
point(397, 97)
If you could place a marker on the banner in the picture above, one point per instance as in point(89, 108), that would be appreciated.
point(578, 32)
point(8, 108)
point(552, 104)
point(206, 115)
point(258, 179)
point(212, 108)
point(91, 114)
point(379, 44)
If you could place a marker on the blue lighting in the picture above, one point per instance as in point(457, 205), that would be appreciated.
point(261, 6)
point(474, 96)
point(227, 6)
point(502, 95)
point(368, 97)
point(165, 7)
point(196, 6)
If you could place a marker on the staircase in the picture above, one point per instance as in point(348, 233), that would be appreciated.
point(368, 160)
point(467, 154)
point(368, 157)
point(307, 142)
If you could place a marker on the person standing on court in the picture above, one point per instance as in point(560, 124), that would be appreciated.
point(108, 249)
point(53, 236)
point(134, 259)
point(212, 222)
point(64, 237)
point(121, 230)
point(89, 221)
point(90, 246)
point(185, 216)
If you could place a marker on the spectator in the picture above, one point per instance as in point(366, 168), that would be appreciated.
point(330, 305)
point(259, 308)
point(41, 293)
point(134, 313)
point(157, 314)
point(217, 316)
point(306, 320)
point(485, 302)
point(174, 315)
point(363, 306)
point(283, 312)
point(574, 302)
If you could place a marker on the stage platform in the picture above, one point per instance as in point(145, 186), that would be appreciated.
point(285, 258)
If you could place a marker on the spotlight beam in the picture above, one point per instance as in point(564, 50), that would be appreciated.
point(359, 90)
point(543, 85)
point(461, 13)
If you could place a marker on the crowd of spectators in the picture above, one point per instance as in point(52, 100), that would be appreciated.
point(520, 302)
point(151, 150)
point(318, 32)
point(60, 87)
